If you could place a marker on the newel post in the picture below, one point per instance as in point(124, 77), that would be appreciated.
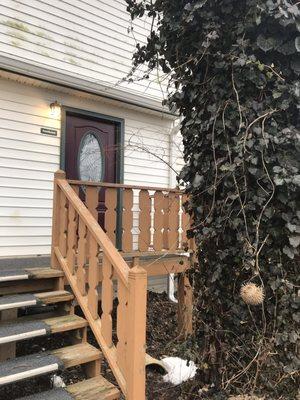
point(136, 339)
point(55, 217)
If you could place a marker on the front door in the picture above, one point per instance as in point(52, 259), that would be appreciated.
point(90, 153)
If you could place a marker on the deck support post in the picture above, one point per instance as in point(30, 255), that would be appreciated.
point(185, 306)
point(55, 217)
point(8, 350)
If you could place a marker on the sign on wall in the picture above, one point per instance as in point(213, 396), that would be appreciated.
point(48, 131)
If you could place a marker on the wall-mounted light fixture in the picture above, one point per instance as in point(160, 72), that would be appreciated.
point(55, 109)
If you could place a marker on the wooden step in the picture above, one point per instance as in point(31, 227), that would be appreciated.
point(26, 328)
point(78, 354)
point(42, 363)
point(28, 299)
point(91, 389)
point(8, 274)
point(27, 286)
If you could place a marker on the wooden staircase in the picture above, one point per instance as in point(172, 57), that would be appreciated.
point(14, 287)
point(96, 266)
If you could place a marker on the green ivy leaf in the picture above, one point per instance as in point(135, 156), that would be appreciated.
point(289, 252)
point(266, 44)
point(296, 180)
point(294, 241)
point(291, 227)
point(276, 95)
point(297, 43)
point(295, 65)
point(278, 181)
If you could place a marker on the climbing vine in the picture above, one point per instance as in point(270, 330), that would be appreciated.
point(233, 70)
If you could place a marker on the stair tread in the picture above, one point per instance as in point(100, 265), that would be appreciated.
point(12, 329)
point(26, 363)
point(20, 300)
point(22, 273)
point(65, 323)
point(97, 388)
point(77, 354)
point(54, 394)
point(16, 298)
point(24, 328)
point(54, 296)
point(36, 364)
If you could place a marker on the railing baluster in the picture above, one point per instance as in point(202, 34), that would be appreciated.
point(72, 238)
point(173, 239)
point(166, 222)
point(81, 275)
point(76, 189)
point(122, 327)
point(63, 221)
point(107, 300)
point(185, 223)
point(144, 220)
point(158, 221)
point(92, 200)
point(127, 220)
point(93, 277)
point(110, 215)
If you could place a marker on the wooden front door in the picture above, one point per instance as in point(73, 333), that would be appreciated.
point(90, 153)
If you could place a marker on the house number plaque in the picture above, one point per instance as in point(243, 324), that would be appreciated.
point(48, 131)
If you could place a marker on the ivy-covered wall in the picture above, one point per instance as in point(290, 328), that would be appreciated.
point(233, 68)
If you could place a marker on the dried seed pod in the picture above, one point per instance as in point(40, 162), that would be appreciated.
point(252, 294)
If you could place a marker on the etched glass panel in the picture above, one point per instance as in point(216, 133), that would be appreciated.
point(90, 159)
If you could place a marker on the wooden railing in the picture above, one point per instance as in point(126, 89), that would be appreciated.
point(78, 244)
point(138, 218)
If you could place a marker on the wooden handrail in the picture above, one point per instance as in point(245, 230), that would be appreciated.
point(95, 229)
point(77, 243)
point(123, 186)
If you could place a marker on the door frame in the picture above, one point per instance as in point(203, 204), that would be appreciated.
point(120, 134)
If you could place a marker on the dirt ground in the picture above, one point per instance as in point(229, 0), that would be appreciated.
point(160, 333)
point(161, 341)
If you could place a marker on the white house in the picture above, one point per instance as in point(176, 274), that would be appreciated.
point(74, 56)
point(65, 105)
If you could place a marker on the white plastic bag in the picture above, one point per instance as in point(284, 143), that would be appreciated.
point(178, 370)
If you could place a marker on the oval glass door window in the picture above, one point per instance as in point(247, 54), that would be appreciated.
point(90, 158)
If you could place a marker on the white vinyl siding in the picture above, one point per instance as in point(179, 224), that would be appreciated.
point(28, 158)
point(88, 39)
